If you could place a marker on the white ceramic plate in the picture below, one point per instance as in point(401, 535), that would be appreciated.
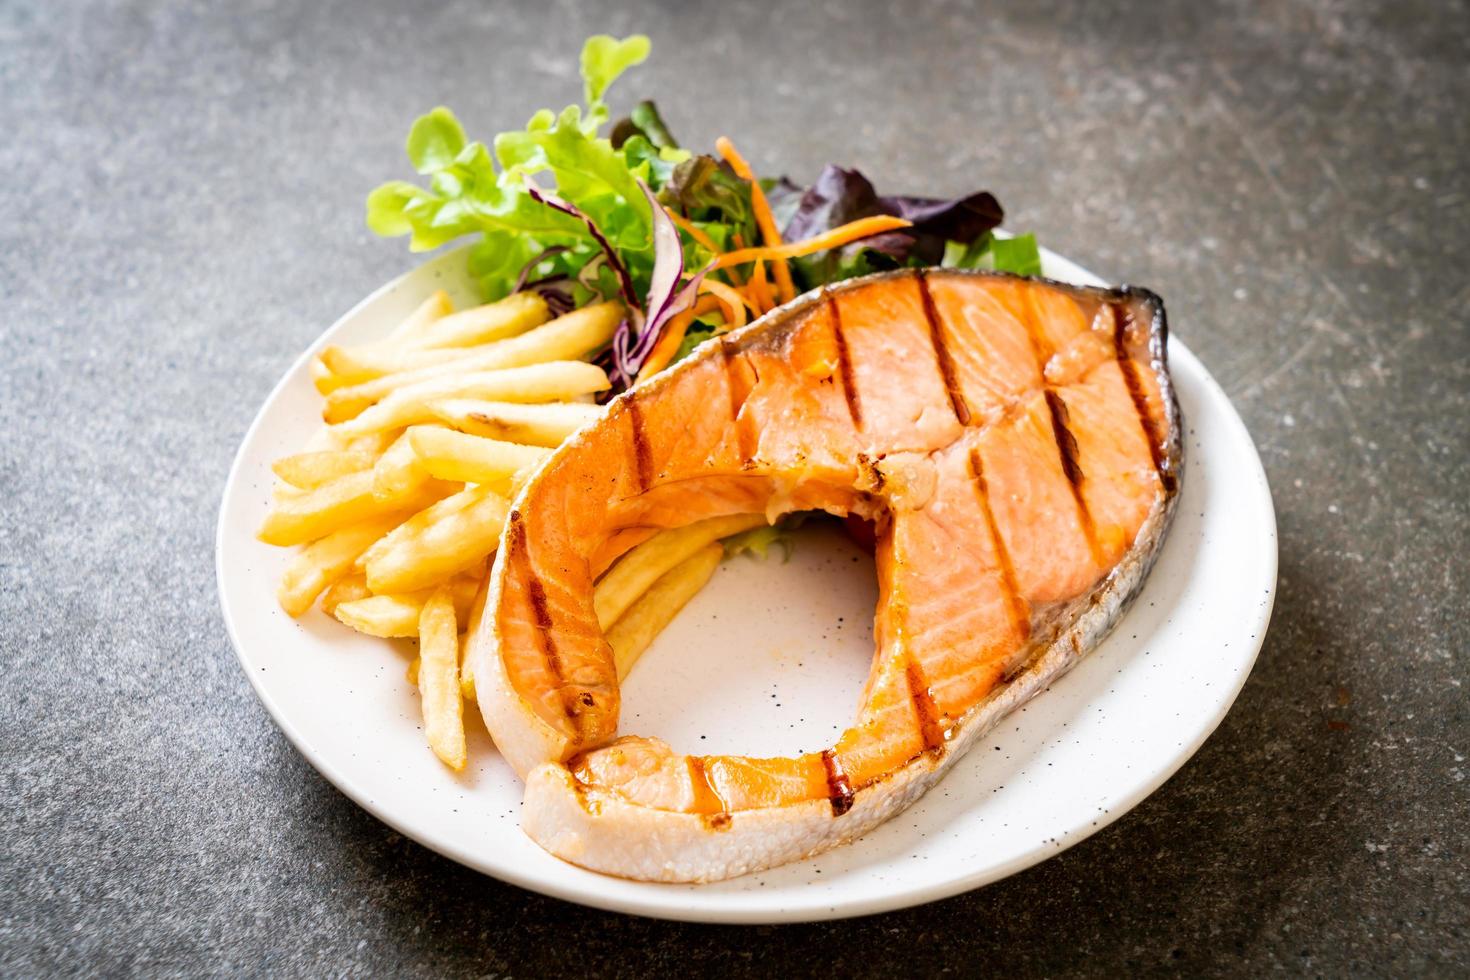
point(768, 660)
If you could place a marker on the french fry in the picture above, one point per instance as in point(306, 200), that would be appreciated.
point(509, 317)
point(312, 469)
point(323, 562)
point(349, 588)
point(565, 338)
point(477, 613)
point(531, 383)
point(449, 455)
point(532, 425)
point(635, 573)
point(438, 679)
point(338, 504)
point(398, 470)
point(422, 320)
point(434, 545)
point(374, 444)
point(636, 628)
point(398, 615)
point(417, 322)
point(441, 340)
point(320, 373)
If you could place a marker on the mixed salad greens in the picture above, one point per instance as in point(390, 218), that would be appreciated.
point(691, 243)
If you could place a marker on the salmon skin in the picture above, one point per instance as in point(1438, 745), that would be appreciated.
point(1015, 443)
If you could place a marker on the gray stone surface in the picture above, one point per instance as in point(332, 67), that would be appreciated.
point(181, 214)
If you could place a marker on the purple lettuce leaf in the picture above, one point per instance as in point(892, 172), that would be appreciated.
point(840, 195)
point(625, 281)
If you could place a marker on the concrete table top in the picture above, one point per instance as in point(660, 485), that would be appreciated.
point(181, 214)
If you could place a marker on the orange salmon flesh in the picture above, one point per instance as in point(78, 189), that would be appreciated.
point(1008, 439)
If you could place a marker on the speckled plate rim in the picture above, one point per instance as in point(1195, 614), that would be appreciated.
point(677, 902)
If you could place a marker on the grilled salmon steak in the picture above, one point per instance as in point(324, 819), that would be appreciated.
point(1014, 441)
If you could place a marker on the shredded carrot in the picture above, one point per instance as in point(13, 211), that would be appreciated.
point(694, 232)
point(668, 342)
point(841, 235)
point(760, 287)
point(785, 290)
point(734, 303)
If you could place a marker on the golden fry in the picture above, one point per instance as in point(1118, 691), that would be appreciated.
point(437, 306)
point(337, 504)
point(565, 338)
point(438, 678)
point(635, 572)
point(398, 471)
point(422, 319)
point(444, 341)
point(398, 615)
point(532, 383)
point(442, 541)
point(450, 455)
point(533, 425)
point(308, 470)
point(477, 613)
point(509, 317)
point(349, 588)
point(374, 444)
point(323, 562)
point(636, 628)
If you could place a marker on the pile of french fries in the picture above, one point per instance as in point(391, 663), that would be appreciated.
point(397, 506)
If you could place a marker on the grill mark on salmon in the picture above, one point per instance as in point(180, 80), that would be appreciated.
point(740, 386)
point(1067, 450)
point(839, 789)
point(941, 352)
point(1066, 442)
point(1019, 609)
point(844, 364)
point(1027, 318)
point(540, 611)
point(1122, 321)
point(931, 728)
point(643, 459)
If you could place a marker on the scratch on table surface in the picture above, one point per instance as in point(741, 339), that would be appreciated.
point(1253, 387)
point(1359, 443)
point(1293, 214)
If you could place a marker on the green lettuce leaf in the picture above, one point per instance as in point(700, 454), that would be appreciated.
point(1019, 255)
point(472, 190)
point(604, 58)
point(435, 140)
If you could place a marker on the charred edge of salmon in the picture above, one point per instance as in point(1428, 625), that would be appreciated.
point(1165, 461)
point(685, 847)
point(839, 790)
